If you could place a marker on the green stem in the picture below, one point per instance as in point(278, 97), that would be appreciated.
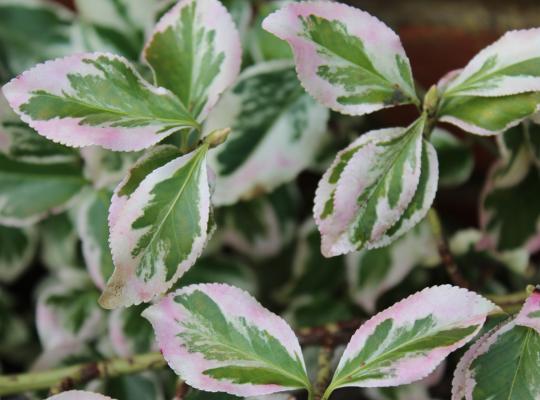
point(66, 378)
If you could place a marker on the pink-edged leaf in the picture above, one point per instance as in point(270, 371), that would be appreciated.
point(509, 352)
point(369, 187)
point(218, 338)
point(160, 228)
point(347, 59)
point(96, 99)
point(407, 341)
point(78, 395)
point(195, 52)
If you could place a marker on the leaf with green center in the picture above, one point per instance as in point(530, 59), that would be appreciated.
point(405, 342)
point(369, 187)
point(509, 66)
point(32, 31)
point(17, 250)
point(504, 363)
point(96, 99)
point(218, 338)
point(29, 192)
point(289, 120)
point(195, 52)
point(509, 212)
point(373, 272)
point(158, 228)
point(347, 59)
point(262, 227)
point(68, 313)
point(456, 161)
point(93, 229)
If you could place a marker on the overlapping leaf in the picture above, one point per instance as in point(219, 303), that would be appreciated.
point(158, 225)
point(407, 341)
point(130, 333)
point(30, 191)
point(96, 99)
point(274, 122)
point(347, 59)
point(373, 272)
point(195, 52)
point(218, 338)
point(17, 249)
point(377, 188)
point(509, 212)
point(498, 88)
point(504, 363)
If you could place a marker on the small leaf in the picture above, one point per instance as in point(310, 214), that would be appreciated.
point(91, 222)
point(29, 191)
point(195, 52)
point(503, 364)
point(509, 66)
point(456, 161)
point(96, 99)
point(78, 395)
point(160, 229)
point(288, 120)
point(407, 341)
point(218, 338)
point(371, 186)
point(17, 250)
point(347, 59)
point(373, 272)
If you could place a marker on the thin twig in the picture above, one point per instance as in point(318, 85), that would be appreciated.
point(447, 258)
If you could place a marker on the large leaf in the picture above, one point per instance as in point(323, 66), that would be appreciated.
point(195, 52)
point(32, 31)
point(17, 250)
point(218, 338)
point(371, 186)
point(504, 363)
point(347, 59)
point(93, 229)
point(284, 129)
point(373, 272)
point(96, 99)
point(159, 230)
point(29, 191)
point(407, 341)
point(509, 212)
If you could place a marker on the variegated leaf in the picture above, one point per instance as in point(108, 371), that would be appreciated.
point(503, 364)
point(93, 229)
point(158, 228)
point(105, 168)
point(373, 272)
point(372, 184)
point(29, 191)
point(288, 120)
point(129, 332)
point(508, 66)
point(59, 247)
point(17, 250)
point(263, 45)
point(261, 227)
point(514, 176)
point(96, 99)
point(456, 161)
point(195, 52)
point(218, 338)
point(78, 395)
point(407, 341)
point(32, 31)
point(347, 59)
point(68, 313)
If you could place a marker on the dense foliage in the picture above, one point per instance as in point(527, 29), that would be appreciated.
point(157, 162)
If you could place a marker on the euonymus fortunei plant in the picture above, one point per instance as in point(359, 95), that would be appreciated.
point(165, 137)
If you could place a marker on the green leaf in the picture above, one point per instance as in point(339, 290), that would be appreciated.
point(29, 192)
point(456, 161)
point(17, 250)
